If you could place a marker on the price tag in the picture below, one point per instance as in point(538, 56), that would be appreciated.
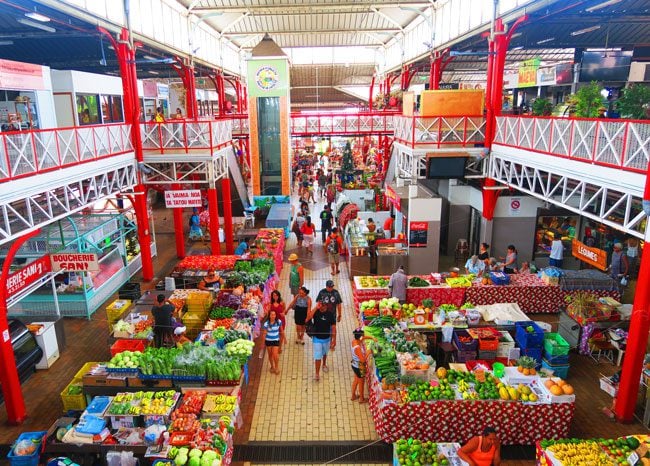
point(633, 458)
point(5, 336)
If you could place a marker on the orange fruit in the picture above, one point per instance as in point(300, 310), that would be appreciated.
point(533, 371)
point(520, 368)
point(526, 371)
point(561, 383)
point(549, 383)
point(567, 389)
point(556, 390)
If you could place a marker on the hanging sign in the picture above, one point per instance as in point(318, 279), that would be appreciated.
point(418, 232)
point(593, 256)
point(186, 198)
point(78, 262)
point(393, 198)
point(546, 76)
point(162, 90)
point(528, 72)
point(18, 75)
point(20, 280)
point(564, 73)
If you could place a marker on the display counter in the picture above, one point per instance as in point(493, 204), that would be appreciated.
point(391, 253)
point(280, 217)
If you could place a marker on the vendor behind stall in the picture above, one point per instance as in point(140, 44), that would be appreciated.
point(210, 282)
point(243, 247)
point(482, 450)
point(475, 266)
point(162, 314)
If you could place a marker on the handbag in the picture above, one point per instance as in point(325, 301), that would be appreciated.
point(309, 328)
point(623, 281)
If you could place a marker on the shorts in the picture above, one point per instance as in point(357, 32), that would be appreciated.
point(272, 343)
point(334, 258)
point(308, 240)
point(321, 348)
point(299, 315)
point(357, 372)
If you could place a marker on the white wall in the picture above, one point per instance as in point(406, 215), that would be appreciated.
point(527, 206)
point(425, 210)
point(86, 83)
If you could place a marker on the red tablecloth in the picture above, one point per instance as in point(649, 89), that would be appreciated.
point(439, 295)
point(529, 291)
point(457, 421)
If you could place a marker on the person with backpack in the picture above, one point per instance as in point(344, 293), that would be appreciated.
point(333, 245)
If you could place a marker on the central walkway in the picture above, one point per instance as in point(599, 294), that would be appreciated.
point(292, 407)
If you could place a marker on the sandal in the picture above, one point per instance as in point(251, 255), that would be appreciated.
point(316, 378)
point(354, 398)
point(302, 342)
point(363, 400)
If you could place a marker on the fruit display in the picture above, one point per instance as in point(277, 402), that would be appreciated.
point(192, 402)
point(399, 341)
point(558, 387)
point(232, 335)
point(143, 403)
point(464, 281)
point(416, 452)
point(417, 282)
point(526, 365)
point(372, 282)
point(184, 422)
point(125, 360)
point(207, 262)
point(385, 359)
point(430, 391)
point(597, 451)
point(194, 457)
point(220, 404)
point(369, 308)
point(213, 324)
point(241, 348)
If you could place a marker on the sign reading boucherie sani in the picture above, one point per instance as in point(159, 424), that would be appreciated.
point(80, 262)
point(186, 198)
point(27, 275)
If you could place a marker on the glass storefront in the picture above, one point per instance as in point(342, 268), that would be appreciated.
point(268, 121)
point(88, 109)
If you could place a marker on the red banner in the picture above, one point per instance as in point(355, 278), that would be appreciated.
point(20, 280)
point(593, 256)
point(393, 198)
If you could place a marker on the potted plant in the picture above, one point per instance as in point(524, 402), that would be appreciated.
point(635, 102)
point(588, 100)
point(542, 107)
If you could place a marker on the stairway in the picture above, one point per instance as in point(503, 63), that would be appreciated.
point(238, 180)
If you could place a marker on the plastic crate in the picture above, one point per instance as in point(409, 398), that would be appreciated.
point(129, 291)
point(555, 345)
point(535, 353)
point(499, 278)
point(128, 345)
point(557, 360)
point(117, 308)
point(528, 339)
point(83, 371)
point(464, 346)
point(561, 371)
point(463, 356)
point(488, 344)
point(487, 355)
point(16, 460)
point(73, 402)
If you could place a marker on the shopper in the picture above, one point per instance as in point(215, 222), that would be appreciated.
point(296, 274)
point(322, 183)
point(242, 247)
point(323, 336)
point(484, 253)
point(556, 259)
point(326, 223)
point(210, 282)
point(474, 266)
point(397, 284)
point(331, 300)
point(297, 228)
point(524, 269)
point(482, 450)
point(330, 194)
point(273, 335)
point(632, 253)
point(619, 265)
point(163, 333)
point(278, 306)
point(301, 304)
point(304, 209)
point(179, 113)
point(310, 189)
point(389, 224)
point(159, 116)
point(359, 365)
point(195, 225)
point(510, 264)
point(333, 246)
point(308, 234)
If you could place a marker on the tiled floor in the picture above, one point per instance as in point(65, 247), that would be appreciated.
point(289, 407)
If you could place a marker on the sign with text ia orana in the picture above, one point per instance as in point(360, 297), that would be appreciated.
point(79, 262)
point(186, 198)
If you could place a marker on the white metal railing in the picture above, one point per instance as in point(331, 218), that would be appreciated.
point(186, 135)
point(623, 144)
point(440, 131)
point(342, 123)
point(26, 153)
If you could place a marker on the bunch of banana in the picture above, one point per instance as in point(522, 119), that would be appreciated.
point(463, 386)
point(574, 454)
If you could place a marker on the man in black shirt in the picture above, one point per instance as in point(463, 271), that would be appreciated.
point(323, 336)
point(331, 299)
point(325, 223)
point(162, 315)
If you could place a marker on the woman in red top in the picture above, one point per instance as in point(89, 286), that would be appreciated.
point(482, 450)
point(308, 233)
point(277, 305)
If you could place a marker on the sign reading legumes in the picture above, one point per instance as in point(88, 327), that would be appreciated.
point(186, 198)
point(593, 256)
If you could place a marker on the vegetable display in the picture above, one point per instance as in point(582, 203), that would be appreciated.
point(417, 282)
point(221, 312)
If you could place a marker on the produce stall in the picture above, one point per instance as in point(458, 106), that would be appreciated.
point(632, 450)
point(270, 243)
point(407, 398)
point(407, 451)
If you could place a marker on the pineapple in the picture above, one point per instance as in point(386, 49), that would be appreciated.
point(526, 365)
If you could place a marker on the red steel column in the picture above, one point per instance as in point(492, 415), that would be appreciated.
point(213, 208)
point(179, 226)
point(637, 339)
point(372, 88)
point(489, 111)
point(434, 71)
point(227, 214)
point(13, 395)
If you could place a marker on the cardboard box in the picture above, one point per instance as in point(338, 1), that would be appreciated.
point(157, 383)
point(408, 103)
point(453, 102)
point(105, 380)
point(506, 343)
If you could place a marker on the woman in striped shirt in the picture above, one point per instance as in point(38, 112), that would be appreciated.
point(273, 334)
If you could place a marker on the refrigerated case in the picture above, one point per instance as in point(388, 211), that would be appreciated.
point(391, 253)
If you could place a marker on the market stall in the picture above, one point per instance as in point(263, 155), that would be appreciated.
point(631, 450)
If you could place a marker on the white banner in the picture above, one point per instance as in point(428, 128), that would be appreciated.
point(81, 262)
point(187, 198)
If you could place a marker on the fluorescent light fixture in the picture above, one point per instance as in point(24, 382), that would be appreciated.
point(603, 5)
point(40, 26)
point(519, 47)
point(545, 40)
point(37, 17)
point(586, 30)
point(149, 57)
point(6, 42)
point(153, 72)
point(516, 34)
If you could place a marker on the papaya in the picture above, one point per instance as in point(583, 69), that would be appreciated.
point(503, 393)
point(441, 372)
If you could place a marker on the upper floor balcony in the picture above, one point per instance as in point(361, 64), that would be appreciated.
point(611, 143)
point(29, 153)
point(187, 136)
point(343, 124)
point(440, 132)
